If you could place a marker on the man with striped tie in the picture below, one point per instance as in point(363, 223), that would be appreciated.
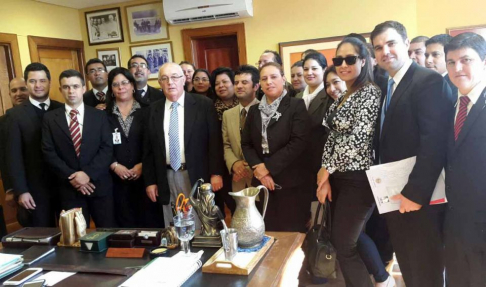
point(77, 146)
point(97, 74)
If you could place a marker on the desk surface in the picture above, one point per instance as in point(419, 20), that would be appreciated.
point(267, 273)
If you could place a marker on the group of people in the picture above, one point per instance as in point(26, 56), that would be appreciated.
point(124, 151)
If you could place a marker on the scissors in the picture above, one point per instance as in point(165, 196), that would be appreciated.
point(181, 203)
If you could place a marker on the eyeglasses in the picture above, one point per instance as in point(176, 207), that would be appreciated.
point(164, 79)
point(197, 79)
point(99, 70)
point(350, 60)
point(136, 65)
point(122, 83)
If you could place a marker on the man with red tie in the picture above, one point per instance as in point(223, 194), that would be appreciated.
point(77, 146)
point(465, 224)
point(98, 77)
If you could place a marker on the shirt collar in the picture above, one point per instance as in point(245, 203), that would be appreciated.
point(475, 93)
point(181, 101)
point(145, 89)
point(37, 103)
point(401, 73)
point(316, 91)
point(247, 108)
point(105, 91)
point(80, 109)
point(445, 74)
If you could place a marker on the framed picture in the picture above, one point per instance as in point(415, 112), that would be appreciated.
point(481, 30)
point(146, 22)
point(111, 57)
point(104, 26)
point(156, 55)
point(291, 51)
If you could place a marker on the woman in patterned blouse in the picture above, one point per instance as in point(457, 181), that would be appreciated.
point(347, 155)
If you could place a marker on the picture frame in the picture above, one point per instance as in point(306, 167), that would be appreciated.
point(156, 54)
point(110, 57)
point(481, 30)
point(146, 22)
point(104, 26)
point(291, 51)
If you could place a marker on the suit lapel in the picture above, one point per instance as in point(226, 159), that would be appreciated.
point(471, 118)
point(30, 110)
point(401, 89)
point(319, 100)
point(235, 123)
point(158, 122)
point(61, 121)
point(190, 113)
point(284, 105)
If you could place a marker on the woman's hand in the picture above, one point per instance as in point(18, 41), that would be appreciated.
point(267, 181)
point(260, 170)
point(324, 191)
point(322, 175)
point(136, 172)
point(122, 172)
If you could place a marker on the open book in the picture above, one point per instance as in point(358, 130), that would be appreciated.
point(164, 271)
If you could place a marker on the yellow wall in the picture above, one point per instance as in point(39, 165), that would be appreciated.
point(26, 17)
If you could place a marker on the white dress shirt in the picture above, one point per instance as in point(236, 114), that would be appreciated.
point(180, 113)
point(37, 103)
point(473, 95)
point(309, 97)
point(80, 116)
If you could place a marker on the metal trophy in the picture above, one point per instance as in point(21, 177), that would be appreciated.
point(202, 200)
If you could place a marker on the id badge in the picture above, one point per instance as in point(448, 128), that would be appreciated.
point(116, 137)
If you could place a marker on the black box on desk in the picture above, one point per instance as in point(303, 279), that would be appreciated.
point(95, 241)
point(147, 238)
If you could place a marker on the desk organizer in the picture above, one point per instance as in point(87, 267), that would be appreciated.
point(242, 264)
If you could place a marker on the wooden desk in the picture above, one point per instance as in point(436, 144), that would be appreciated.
point(268, 272)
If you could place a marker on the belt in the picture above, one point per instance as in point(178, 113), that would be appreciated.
point(183, 167)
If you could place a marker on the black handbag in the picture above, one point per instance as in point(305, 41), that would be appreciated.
point(319, 252)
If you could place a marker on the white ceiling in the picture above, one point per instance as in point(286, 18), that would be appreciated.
point(81, 4)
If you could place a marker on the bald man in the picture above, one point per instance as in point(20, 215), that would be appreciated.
point(183, 142)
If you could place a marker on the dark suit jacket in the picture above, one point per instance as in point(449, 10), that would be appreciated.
point(454, 89)
point(95, 156)
point(465, 177)
point(287, 138)
point(416, 124)
point(319, 133)
point(7, 182)
point(151, 96)
point(202, 142)
point(24, 154)
point(91, 100)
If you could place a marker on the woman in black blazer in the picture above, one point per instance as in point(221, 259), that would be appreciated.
point(274, 140)
point(125, 116)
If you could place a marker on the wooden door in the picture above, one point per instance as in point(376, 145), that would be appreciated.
point(212, 47)
point(58, 55)
point(213, 52)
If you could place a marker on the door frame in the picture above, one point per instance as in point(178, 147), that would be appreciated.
point(36, 43)
point(189, 35)
point(15, 69)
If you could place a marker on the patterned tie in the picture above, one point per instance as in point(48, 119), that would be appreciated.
point(242, 119)
point(389, 93)
point(101, 96)
point(174, 147)
point(75, 131)
point(461, 115)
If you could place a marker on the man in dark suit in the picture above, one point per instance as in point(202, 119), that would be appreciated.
point(183, 142)
point(77, 146)
point(413, 122)
point(416, 50)
point(144, 94)
point(31, 181)
point(435, 59)
point(465, 224)
point(98, 77)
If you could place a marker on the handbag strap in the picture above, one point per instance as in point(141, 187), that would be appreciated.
point(326, 217)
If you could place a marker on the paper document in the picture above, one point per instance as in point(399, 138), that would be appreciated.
point(54, 277)
point(389, 179)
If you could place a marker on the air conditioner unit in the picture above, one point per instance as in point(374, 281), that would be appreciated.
point(188, 11)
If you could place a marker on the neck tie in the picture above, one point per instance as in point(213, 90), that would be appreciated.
point(43, 106)
point(101, 96)
point(141, 93)
point(389, 93)
point(461, 115)
point(75, 131)
point(174, 145)
point(242, 119)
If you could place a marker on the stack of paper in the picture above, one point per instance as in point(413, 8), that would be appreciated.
point(167, 272)
point(9, 263)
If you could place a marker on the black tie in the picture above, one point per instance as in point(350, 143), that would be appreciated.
point(43, 106)
point(141, 93)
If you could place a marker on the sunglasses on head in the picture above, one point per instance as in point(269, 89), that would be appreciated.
point(350, 60)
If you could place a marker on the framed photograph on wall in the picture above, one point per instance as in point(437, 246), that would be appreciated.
point(104, 26)
point(481, 30)
point(146, 23)
point(291, 51)
point(156, 55)
point(111, 57)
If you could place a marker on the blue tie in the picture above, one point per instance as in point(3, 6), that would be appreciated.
point(386, 104)
point(174, 147)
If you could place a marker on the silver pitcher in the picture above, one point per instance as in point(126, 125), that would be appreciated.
point(247, 219)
